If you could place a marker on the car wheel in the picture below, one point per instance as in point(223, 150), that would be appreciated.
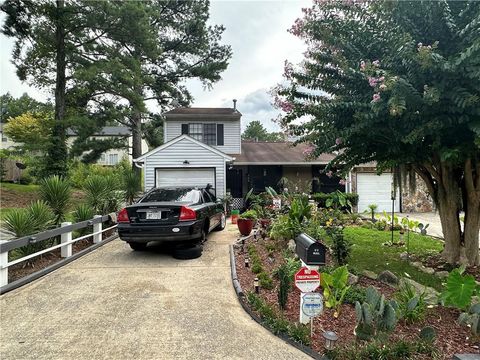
point(187, 252)
point(223, 223)
point(138, 246)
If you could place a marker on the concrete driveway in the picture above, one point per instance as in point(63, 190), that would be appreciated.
point(118, 304)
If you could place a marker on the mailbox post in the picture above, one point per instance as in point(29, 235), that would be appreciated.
point(312, 255)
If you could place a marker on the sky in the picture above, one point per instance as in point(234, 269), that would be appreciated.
point(257, 32)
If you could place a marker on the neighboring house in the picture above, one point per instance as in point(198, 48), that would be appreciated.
point(112, 156)
point(6, 142)
point(203, 146)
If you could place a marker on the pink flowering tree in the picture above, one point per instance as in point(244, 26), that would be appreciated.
point(380, 83)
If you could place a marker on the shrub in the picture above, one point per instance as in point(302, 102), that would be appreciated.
point(355, 293)
point(283, 275)
point(56, 192)
point(83, 212)
point(340, 245)
point(249, 214)
point(321, 198)
point(265, 280)
point(335, 286)
point(281, 229)
point(300, 333)
point(103, 194)
point(19, 222)
point(131, 185)
point(411, 307)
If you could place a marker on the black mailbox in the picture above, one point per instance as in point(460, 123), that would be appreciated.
point(309, 250)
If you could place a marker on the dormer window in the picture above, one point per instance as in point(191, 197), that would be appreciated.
point(210, 134)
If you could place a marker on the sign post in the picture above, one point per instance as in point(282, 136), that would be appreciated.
point(312, 306)
point(307, 281)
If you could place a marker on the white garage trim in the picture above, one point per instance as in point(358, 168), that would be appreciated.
point(173, 177)
point(375, 189)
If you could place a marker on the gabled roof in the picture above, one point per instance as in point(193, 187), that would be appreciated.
point(177, 139)
point(277, 153)
point(202, 112)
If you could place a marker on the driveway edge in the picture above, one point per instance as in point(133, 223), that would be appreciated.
point(243, 302)
point(40, 273)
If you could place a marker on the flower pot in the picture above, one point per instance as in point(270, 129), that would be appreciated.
point(245, 226)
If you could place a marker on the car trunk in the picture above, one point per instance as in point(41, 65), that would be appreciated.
point(157, 213)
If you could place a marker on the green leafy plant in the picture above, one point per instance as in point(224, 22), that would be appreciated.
point(355, 293)
point(373, 208)
point(285, 282)
point(471, 318)
point(459, 289)
point(338, 200)
point(249, 214)
point(340, 245)
point(335, 286)
point(423, 228)
point(131, 185)
point(375, 316)
point(103, 194)
point(56, 192)
point(411, 306)
point(265, 280)
point(428, 334)
point(321, 198)
point(83, 212)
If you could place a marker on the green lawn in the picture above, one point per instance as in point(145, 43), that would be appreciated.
point(369, 253)
point(19, 187)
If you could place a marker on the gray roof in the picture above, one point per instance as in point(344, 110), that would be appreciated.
point(202, 112)
point(107, 131)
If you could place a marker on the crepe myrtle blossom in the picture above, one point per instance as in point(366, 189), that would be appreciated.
point(287, 69)
point(338, 141)
point(343, 182)
point(376, 63)
point(297, 27)
point(376, 97)
point(329, 174)
point(309, 150)
point(362, 65)
point(383, 87)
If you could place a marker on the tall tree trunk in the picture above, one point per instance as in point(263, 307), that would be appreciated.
point(136, 138)
point(449, 211)
point(57, 150)
point(472, 212)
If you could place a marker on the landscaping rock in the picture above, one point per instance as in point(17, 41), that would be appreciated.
point(442, 274)
point(291, 245)
point(417, 264)
point(428, 270)
point(431, 295)
point(404, 256)
point(369, 274)
point(388, 277)
point(352, 279)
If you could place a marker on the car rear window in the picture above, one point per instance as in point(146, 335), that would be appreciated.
point(174, 195)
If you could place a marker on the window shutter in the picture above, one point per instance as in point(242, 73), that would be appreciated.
point(220, 140)
point(184, 129)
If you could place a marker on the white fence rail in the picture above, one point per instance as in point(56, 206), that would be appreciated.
point(66, 233)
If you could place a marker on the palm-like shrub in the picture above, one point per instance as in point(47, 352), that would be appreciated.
point(56, 192)
point(103, 194)
point(131, 185)
point(83, 212)
point(22, 222)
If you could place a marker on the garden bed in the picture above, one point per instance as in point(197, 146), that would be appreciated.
point(451, 337)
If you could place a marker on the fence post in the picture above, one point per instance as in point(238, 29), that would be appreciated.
point(66, 251)
point(97, 228)
point(3, 262)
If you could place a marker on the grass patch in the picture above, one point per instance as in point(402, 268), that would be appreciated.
point(369, 253)
point(19, 187)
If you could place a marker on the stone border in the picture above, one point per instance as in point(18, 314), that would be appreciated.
point(40, 273)
point(243, 302)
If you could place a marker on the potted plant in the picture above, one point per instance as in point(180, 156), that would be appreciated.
point(246, 221)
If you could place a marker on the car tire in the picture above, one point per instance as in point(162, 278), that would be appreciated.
point(223, 223)
point(138, 246)
point(187, 252)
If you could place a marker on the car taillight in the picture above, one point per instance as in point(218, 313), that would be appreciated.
point(187, 214)
point(123, 216)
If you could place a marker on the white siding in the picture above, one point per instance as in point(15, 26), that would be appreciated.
point(231, 130)
point(375, 189)
point(173, 157)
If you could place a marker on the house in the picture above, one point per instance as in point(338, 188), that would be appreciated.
point(204, 146)
point(112, 156)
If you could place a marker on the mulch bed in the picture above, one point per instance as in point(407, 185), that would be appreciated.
point(438, 263)
point(23, 269)
point(451, 337)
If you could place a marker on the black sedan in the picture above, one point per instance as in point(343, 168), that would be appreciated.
point(183, 215)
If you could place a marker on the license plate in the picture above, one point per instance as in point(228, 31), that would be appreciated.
point(154, 215)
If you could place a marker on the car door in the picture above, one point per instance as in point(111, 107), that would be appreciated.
point(218, 206)
point(211, 209)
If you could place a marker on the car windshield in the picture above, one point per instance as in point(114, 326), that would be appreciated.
point(174, 195)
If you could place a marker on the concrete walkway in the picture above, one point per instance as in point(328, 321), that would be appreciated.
point(118, 304)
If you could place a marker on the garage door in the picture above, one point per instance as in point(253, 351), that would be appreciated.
point(375, 189)
point(185, 177)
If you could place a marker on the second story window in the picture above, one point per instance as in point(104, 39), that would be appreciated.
point(206, 133)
